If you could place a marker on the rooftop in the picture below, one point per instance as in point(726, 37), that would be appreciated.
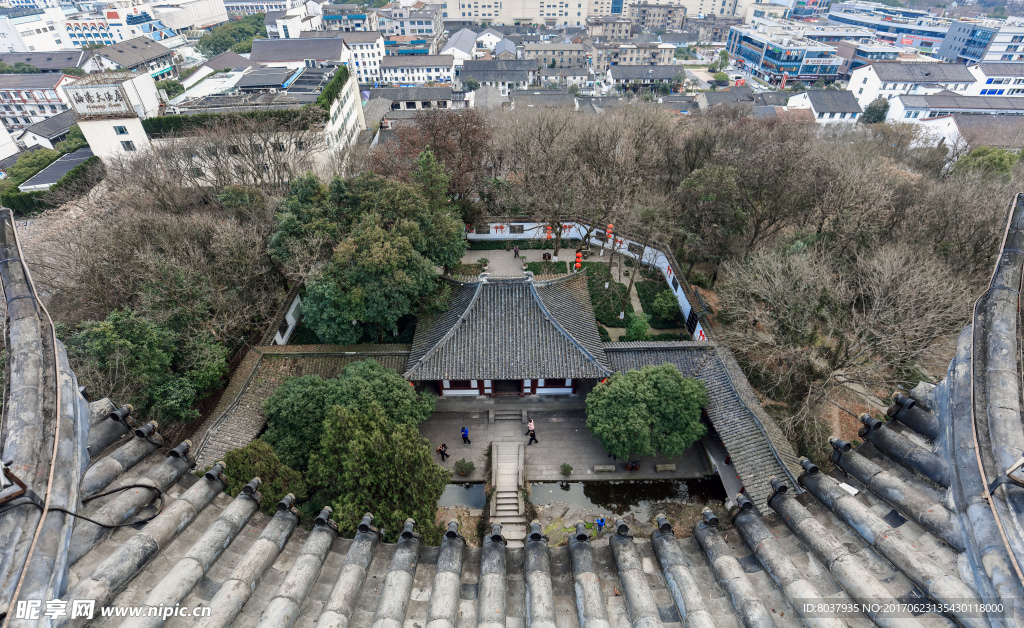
point(134, 52)
point(833, 101)
point(500, 65)
point(411, 93)
point(293, 50)
point(419, 61)
point(645, 72)
point(54, 126)
point(47, 61)
point(463, 40)
point(267, 78)
point(924, 72)
point(1002, 69)
point(228, 61)
point(949, 100)
point(46, 80)
point(998, 131)
point(48, 176)
point(535, 329)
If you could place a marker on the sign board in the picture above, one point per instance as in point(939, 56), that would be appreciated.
point(99, 100)
point(907, 41)
point(741, 82)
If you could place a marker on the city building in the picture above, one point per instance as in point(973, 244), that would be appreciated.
point(612, 27)
point(997, 79)
point(557, 55)
point(504, 76)
point(418, 98)
point(461, 45)
point(222, 62)
point(413, 69)
point(367, 48)
point(110, 107)
point(141, 54)
point(605, 55)
point(643, 76)
point(658, 17)
point(488, 38)
point(299, 53)
point(345, 119)
point(47, 133)
point(241, 8)
point(44, 30)
point(891, 80)
point(119, 24)
point(896, 25)
point(856, 54)
point(410, 45)
point(712, 28)
point(26, 99)
point(749, 12)
point(974, 41)
point(781, 55)
point(54, 61)
point(828, 106)
point(564, 77)
point(910, 108)
point(292, 23)
point(350, 17)
point(418, 19)
point(963, 133)
point(505, 50)
point(190, 16)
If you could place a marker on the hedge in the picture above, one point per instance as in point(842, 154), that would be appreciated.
point(647, 291)
point(31, 203)
point(333, 89)
point(547, 268)
point(165, 126)
point(524, 245)
point(606, 306)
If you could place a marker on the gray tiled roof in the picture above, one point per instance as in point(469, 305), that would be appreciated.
point(645, 72)
point(54, 126)
point(463, 40)
point(47, 61)
point(923, 72)
point(134, 52)
point(511, 329)
point(833, 101)
point(46, 80)
point(411, 93)
point(758, 448)
point(505, 45)
point(500, 65)
point(417, 61)
point(1000, 131)
point(228, 61)
point(1000, 69)
point(290, 50)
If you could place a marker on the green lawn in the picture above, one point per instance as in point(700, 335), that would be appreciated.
point(547, 268)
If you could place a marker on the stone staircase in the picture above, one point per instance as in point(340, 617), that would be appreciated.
point(507, 507)
point(507, 415)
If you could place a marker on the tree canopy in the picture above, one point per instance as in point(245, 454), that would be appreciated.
point(258, 460)
point(236, 35)
point(876, 111)
point(161, 372)
point(989, 160)
point(371, 463)
point(296, 410)
point(646, 412)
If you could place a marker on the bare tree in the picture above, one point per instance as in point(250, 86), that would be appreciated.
point(809, 327)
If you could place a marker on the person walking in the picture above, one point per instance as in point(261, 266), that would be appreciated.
point(465, 436)
point(443, 450)
point(515, 249)
point(532, 433)
point(600, 524)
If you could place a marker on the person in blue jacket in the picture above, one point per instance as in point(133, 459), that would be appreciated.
point(465, 436)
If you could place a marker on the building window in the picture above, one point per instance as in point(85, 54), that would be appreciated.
point(120, 130)
point(127, 145)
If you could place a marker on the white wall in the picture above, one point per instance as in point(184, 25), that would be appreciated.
point(652, 257)
point(346, 117)
point(106, 142)
point(8, 147)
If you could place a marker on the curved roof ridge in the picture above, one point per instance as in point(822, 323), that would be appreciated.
point(448, 334)
point(572, 339)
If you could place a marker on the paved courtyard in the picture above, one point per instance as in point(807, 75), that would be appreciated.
point(564, 437)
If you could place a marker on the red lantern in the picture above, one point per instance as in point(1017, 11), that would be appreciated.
point(566, 227)
point(578, 265)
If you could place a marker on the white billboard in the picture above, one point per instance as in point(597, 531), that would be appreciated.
point(98, 100)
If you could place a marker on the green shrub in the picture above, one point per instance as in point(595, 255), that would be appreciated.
point(607, 303)
point(547, 268)
point(257, 459)
point(333, 89)
point(637, 327)
point(700, 280)
point(464, 467)
point(605, 336)
point(24, 203)
point(168, 126)
point(671, 337)
point(566, 469)
point(649, 292)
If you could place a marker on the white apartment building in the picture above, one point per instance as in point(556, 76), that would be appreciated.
point(997, 79)
point(187, 15)
point(43, 31)
point(417, 69)
point(241, 8)
point(828, 106)
point(418, 19)
point(916, 108)
point(890, 80)
point(367, 52)
point(345, 120)
point(26, 99)
point(111, 107)
point(292, 23)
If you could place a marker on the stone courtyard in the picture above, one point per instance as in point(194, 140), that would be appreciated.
point(564, 438)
